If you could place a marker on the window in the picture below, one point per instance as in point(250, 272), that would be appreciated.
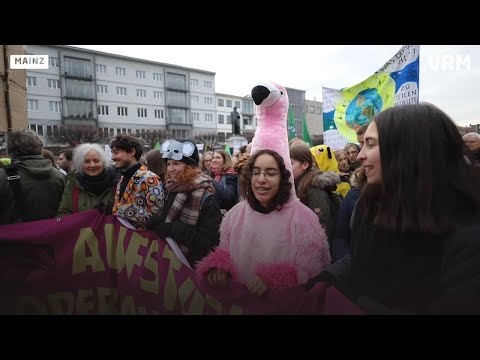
point(229, 119)
point(32, 105)
point(78, 67)
point(141, 112)
point(140, 74)
point(31, 81)
point(209, 117)
point(79, 109)
point(318, 110)
point(122, 91)
point(194, 99)
point(221, 119)
point(53, 61)
point(55, 106)
point(141, 93)
point(100, 68)
point(195, 116)
point(158, 94)
point(229, 103)
point(158, 113)
point(37, 128)
point(120, 71)
point(237, 105)
point(137, 132)
point(53, 84)
point(220, 102)
point(311, 109)
point(193, 82)
point(157, 77)
point(247, 120)
point(122, 111)
point(102, 109)
point(208, 100)
point(102, 89)
point(52, 130)
point(207, 84)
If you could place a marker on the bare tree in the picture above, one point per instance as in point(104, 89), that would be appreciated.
point(208, 139)
point(74, 135)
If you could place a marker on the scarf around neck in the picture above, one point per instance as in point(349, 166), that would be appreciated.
point(186, 206)
point(97, 184)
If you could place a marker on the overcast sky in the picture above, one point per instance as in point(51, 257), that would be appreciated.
point(449, 74)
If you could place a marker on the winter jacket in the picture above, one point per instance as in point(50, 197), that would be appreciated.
point(394, 272)
point(226, 191)
point(201, 238)
point(142, 198)
point(41, 184)
point(86, 199)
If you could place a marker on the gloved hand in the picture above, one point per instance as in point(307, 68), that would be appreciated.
point(324, 276)
point(163, 229)
point(160, 227)
point(153, 221)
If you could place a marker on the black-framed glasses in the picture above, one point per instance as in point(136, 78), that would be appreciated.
point(269, 174)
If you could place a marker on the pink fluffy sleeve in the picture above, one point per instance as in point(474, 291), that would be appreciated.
point(312, 253)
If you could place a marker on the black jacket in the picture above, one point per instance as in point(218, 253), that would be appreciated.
point(411, 272)
point(200, 239)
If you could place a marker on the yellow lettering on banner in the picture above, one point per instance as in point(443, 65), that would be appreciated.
point(170, 290)
point(115, 249)
point(141, 310)
point(61, 303)
point(29, 305)
point(107, 301)
point(80, 258)
point(84, 302)
point(151, 263)
point(128, 306)
point(214, 303)
point(235, 310)
point(197, 303)
point(131, 256)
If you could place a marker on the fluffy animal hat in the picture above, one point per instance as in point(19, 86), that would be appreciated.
point(272, 103)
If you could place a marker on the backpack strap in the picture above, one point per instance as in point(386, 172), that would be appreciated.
point(14, 181)
point(75, 195)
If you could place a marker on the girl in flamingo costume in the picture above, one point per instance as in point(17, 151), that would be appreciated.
point(276, 248)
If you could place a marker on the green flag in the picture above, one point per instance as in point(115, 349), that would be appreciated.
point(292, 132)
point(227, 149)
point(305, 132)
point(157, 145)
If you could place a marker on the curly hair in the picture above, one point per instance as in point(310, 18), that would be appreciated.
point(283, 194)
point(127, 143)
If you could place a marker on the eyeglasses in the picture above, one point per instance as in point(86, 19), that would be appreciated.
point(269, 174)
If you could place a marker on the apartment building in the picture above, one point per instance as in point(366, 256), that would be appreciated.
point(314, 118)
point(114, 94)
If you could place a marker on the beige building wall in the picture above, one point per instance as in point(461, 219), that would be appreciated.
point(13, 97)
point(314, 116)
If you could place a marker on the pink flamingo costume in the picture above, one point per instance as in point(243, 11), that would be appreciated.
point(284, 248)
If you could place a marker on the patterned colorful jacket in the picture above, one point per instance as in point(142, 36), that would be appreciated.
point(143, 197)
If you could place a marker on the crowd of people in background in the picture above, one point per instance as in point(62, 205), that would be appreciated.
point(399, 236)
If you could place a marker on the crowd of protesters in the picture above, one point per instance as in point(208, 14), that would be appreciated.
point(403, 238)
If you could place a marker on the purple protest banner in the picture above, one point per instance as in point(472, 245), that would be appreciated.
point(89, 263)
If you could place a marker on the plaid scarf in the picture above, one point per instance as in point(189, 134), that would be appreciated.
point(186, 206)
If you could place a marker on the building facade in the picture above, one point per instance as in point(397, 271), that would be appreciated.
point(101, 95)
